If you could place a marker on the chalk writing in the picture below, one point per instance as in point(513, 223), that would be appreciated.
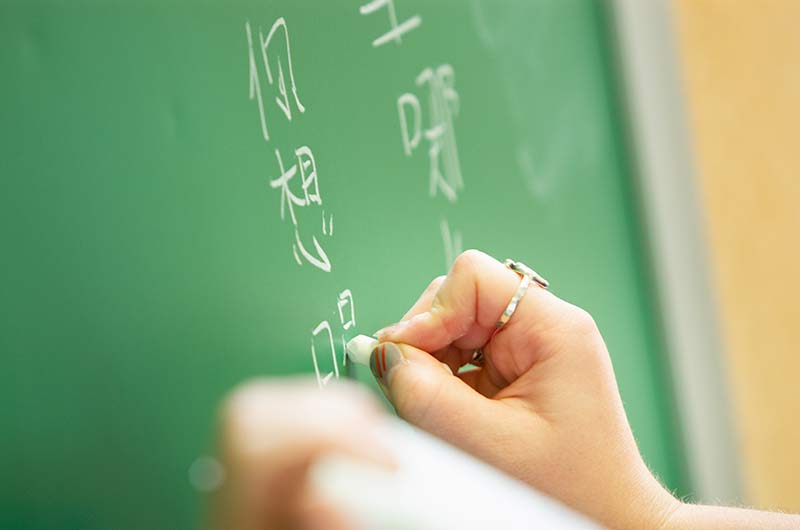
point(451, 241)
point(327, 342)
point(327, 224)
point(346, 300)
point(397, 30)
point(441, 108)
point(322, 341)
point(307, 195)
point(275, 54)
point(280, 58)
point(443, 105)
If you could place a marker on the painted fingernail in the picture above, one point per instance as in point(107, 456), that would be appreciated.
point(385, 357)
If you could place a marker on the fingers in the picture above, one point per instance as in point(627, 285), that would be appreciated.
point(480, 381)
point(268, 415)
point(462, 314)
point(451, 355)
point(272, 431)
point(426, 394)
point(464, 309)
point(423, 391)
point(423, 303)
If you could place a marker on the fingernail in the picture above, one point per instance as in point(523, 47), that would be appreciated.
point(383, 331)
point(385, 357)
point(394, 328)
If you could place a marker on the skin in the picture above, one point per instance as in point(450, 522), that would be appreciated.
point(544, 408)
point(271, 432)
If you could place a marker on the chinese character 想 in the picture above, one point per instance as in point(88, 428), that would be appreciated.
point(301, 193)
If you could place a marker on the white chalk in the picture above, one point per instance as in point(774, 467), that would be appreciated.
point(360, 347)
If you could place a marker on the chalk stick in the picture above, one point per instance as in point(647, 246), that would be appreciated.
point(360, 347)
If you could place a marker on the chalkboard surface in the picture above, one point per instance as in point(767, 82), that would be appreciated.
point(196, 193)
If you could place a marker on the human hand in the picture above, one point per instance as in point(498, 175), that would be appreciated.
point(544, 407)
point(272, 432)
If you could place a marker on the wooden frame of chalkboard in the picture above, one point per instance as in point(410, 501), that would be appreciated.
point(651, 77)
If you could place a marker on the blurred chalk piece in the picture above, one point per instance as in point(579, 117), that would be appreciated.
point(435, 487)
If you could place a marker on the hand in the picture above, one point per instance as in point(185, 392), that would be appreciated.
point(544, 407)
point(272, 432)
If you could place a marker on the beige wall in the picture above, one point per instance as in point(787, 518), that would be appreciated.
point(741, 63)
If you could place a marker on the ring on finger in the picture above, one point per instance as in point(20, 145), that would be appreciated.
point(527, 275)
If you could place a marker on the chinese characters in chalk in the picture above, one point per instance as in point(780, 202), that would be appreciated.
point(270, 60)
point(323, 345)
point(273, 54)
point(305, 168)
point(430, 120)
point(451, 239)
point(396, 31)
point(440, 110)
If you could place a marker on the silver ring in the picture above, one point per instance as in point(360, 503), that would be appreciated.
point(528, 275)
point(521, 268)
point(478, 359)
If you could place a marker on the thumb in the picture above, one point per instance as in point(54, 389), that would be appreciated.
point(423, 390)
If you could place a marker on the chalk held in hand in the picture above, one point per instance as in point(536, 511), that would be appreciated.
point(360, 347)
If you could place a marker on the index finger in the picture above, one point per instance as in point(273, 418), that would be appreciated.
point(465, 308)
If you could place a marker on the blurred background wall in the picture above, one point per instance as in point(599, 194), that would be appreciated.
point(741, 67)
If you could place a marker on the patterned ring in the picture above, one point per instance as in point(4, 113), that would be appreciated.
point(528, 275)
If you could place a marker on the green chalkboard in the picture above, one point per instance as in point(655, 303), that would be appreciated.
point(155, 253)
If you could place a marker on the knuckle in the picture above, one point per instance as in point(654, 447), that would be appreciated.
point(240, 399)
point(471, 256)
point(582, 321)
point(435, 284)
point(233, 413)
point(238, 395)
point(467, 261)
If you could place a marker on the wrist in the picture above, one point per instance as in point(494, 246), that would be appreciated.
point(656, 505)
point(663, 509)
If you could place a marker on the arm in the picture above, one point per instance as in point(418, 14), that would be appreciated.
point(691, 517)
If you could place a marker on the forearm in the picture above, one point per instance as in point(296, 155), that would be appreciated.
point(694, 517)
